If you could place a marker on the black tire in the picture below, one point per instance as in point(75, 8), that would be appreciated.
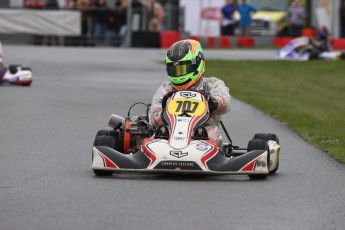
point(272, 137)
point(26, 68)
point(258, 144)
point(102, 172)
point(106, 132)
point(118, 142)
point(267, 137)
point(261, 136)
point(104, 140)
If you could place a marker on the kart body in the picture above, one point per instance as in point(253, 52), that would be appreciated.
point(16, 74)
point(180, 146)
point(293, 51)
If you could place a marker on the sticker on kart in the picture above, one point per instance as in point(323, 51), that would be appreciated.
point(195, 107)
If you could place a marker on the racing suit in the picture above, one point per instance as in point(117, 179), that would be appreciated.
point(210, 87)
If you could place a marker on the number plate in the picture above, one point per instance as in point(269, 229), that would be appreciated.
point(177, 106)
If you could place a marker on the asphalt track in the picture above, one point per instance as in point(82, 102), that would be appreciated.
point(46, 135)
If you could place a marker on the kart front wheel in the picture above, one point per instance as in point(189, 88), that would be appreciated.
point(259, 144)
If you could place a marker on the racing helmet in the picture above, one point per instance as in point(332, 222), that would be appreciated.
point(322, 33)
point(185, 63)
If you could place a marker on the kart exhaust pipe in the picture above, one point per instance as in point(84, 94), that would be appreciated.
point(115, 121)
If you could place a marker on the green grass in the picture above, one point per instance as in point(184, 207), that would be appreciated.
point(308, 97)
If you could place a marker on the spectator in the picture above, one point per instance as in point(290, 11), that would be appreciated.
point(83, 6)
point(342, 19)
point(101, 15)
point(122, 19)
point(69, 40)
point(69, 5)
point(245, 11)
point(35, 4)
point(155, 15)
point(50, 39)
point(296, 16)
point(114, 23)
point(228, 22)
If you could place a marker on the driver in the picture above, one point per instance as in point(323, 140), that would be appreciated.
point(321, 42)
point(185, 65)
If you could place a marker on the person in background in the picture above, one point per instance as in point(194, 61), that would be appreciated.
point(155, 15)
point(83, 6)
point(228, 22)
point(245, 10)
point(69, 5)
point(51, 39)
point(296, 15)
point(101, 21)
point(342, 18)
point(35, 4)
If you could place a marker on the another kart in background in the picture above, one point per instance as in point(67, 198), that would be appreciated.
point(16, 74)
point(303, 49)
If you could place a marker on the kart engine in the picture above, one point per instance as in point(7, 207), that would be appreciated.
point(136, 129)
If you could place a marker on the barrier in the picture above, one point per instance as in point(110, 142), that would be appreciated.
point(279, 42)
point(211, 42)
point(247, 42)
point(225, 42)
point(169, 37)
point(338, 44)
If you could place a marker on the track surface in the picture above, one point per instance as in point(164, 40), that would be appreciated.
point(46, 137)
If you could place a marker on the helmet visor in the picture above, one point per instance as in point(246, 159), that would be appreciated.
point(181, 68)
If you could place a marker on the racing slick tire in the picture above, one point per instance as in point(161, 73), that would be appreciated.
point(258, 144)
point(118, 142)
point(103, 140)
point(267, 137)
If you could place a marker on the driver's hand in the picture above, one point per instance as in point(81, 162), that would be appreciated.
point(212, 104)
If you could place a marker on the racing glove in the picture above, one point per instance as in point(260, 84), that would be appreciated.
point(212, 104)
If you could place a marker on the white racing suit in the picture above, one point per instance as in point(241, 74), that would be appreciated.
point(210, 87)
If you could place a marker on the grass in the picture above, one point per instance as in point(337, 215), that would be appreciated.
point(308, 97)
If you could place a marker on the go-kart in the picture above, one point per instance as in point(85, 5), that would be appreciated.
point(302, 49)
point(16, 74)
point(179, 146)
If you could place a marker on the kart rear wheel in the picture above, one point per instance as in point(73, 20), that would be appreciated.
point(103, 140)
point(102, 172)
point(118, 144)
point(259, 144)
point(267, 137)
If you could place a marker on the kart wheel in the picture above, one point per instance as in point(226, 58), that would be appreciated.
point(13, 68)
point(267, 137)
point(102, 172)
point(26, 68)
point(105, 132)
point(258, 144)
point(260, 136)
point(115, 135)
point(105, 140)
